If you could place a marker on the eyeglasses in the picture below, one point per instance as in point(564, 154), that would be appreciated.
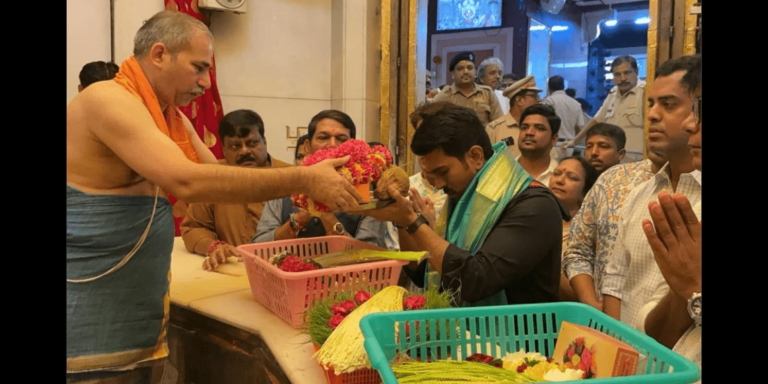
point(697, 110)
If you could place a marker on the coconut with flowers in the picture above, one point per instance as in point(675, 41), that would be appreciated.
point(366, 166)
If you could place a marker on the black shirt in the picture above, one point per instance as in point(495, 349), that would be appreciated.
point(521, 254)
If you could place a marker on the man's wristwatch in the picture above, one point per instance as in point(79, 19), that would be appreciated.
point(411, 228)
point(338, 229)
point(694, 308)
point(294, 223)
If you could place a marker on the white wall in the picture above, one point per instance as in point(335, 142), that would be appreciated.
point(88, 38)
point(276, 60)
point(129, 16)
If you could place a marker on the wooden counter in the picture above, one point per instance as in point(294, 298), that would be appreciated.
point(219, 334)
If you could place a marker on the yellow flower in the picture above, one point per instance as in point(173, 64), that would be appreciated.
point(540, 369)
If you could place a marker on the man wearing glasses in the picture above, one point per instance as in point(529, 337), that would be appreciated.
point(522, 94)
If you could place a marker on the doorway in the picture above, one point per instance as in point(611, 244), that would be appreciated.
point(539, 39)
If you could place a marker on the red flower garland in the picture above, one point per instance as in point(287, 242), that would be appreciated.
point(365, 165)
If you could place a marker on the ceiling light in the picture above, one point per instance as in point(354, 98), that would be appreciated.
point(538, 28)
point(611, 23)
point(643, 20)
point(558, 28)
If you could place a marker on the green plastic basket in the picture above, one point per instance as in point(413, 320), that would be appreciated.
point(502, 329)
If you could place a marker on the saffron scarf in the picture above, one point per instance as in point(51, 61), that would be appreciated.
point(468, 222)
point(132, 78)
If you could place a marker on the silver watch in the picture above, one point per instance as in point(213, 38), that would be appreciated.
point(694, 308)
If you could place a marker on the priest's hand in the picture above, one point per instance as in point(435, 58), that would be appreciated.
point(324, 184)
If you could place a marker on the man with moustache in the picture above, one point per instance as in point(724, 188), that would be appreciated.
point(489, 73)
point(503, 230)
point(670, 104)
point(539, 125)
point(466, 93)
point(128, 147)
point(214, 230)
point(624, 107)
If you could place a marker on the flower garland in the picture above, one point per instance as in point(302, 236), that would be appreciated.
point(365, 165)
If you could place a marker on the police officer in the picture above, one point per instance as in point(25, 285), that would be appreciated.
point(466, 93)
point(624, 107)
point(521, 94)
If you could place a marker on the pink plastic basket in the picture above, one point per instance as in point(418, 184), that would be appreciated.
point(289, 294)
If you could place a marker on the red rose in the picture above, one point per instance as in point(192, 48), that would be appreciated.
point(415, 302)
point(349, 305)
point(335, 320)
point(362, 296)
point(343, 308)
point(480, 358)
point(521, 368)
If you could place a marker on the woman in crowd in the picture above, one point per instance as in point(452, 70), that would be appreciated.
point(570, 182)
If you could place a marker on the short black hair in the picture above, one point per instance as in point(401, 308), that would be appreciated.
point(426, 109)
point(624, 59)
point(590, 172)
point(240, 123)
point(691, 64)
point(614, 132)
point(97, 71)
point(571, 92)
point(455, 130)
point(332, 114)
point(556, 83)
point(299, 142)
point(546, 111)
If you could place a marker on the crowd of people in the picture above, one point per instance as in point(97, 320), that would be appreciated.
point(506, 215)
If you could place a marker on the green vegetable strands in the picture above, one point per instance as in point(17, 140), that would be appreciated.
point(357, 256)
point(451, 371)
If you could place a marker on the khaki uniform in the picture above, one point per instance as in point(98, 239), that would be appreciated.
point(502, 128)
point(482, 100)
point(628, 112)
point(507, 126)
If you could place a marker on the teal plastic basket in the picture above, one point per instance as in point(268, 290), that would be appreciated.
point(499, 330)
